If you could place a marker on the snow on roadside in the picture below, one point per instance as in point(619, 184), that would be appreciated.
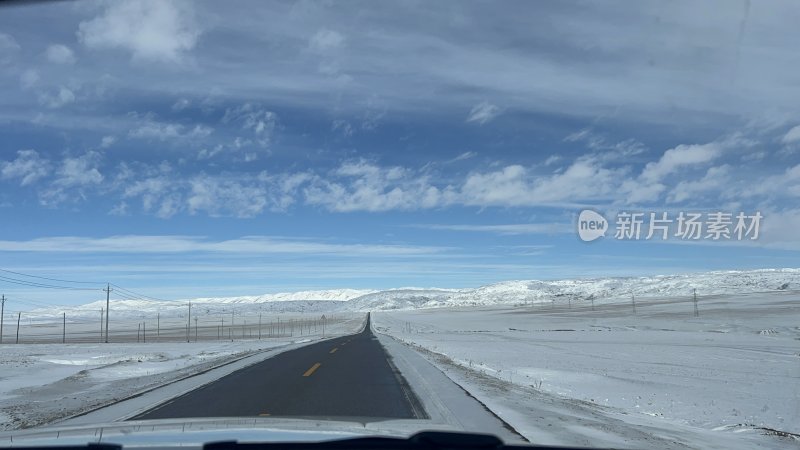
point(40, 383)
point(736, 367)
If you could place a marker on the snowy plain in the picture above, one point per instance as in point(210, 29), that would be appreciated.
point(728, 378)
point(564, 362)
point(40, 383)
point(515, 292)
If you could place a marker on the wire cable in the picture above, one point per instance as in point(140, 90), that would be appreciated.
point(42, 285)
point(49, 279)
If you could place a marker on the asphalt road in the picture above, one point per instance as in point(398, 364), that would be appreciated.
point(346, 377)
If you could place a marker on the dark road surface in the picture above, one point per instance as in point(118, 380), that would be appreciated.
point(346, 377)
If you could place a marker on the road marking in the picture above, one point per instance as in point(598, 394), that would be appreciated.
point(311, 370)
point(264, 414)
point(333, 351)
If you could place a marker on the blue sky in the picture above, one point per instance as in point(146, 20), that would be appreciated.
point(187, 149)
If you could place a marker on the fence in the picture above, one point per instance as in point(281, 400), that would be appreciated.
point(18, 328)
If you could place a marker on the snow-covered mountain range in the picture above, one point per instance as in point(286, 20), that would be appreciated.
point(507, 292)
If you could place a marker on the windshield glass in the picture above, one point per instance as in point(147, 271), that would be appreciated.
point(555, 222)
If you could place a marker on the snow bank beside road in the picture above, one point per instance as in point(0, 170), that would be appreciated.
point(735, 367)
point(40, 383)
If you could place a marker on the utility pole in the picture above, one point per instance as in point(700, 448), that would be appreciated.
point(696, 311)
point(633, 302)
point(19, 316)
point(138, 332)
point(64, 330)
point(144, 332)
point(189, 322)
point(108, 299)
point(259, 326)
point(101, 325)
point(158, 326)
point(195, 329)
point(2, 316)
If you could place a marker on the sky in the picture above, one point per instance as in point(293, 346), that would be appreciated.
point(188, 149)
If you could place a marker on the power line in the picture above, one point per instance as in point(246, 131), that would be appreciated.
point(42, 285)
point(49, 279)
point(137, 294)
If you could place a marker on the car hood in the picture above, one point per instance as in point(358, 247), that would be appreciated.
point(196, 432)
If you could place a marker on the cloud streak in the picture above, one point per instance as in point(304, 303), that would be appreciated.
point(247, 245)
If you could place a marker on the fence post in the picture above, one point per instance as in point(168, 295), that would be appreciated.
point(19, 316)
point(2, 316)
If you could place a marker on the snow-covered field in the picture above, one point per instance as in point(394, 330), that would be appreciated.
point(575, 291)
point(40, 383)
point(725, 378)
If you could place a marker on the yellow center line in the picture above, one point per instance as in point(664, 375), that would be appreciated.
point(311, 370)
point(264, 414)
point(333, 351)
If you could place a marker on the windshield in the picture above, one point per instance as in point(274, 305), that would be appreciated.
point(555, 222)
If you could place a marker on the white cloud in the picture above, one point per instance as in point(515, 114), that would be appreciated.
point(73, 177)
point(651, 182)
point(181, 104)
point(152, 30)
point(120, 209)
point(28, 78)
point(63, 97)
point(223, 197)
point(792, 136)
point(80, 171)
point(185, 244)
point(584, 180)
point(60, 54)
point(779, 185)
point(552, 159)
point(362, 186)
point(158, 195)
point(169, 131)
point(679, 157)
point(260, 121)
point(8, 48)
point(325, 40)
point(779, 229)
point(483, 112)
point(107, 141)
point(714, 179)
point(605, 149)
point(28, 167)
point(343, 127)
point(464, 156)
point(504, 229)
